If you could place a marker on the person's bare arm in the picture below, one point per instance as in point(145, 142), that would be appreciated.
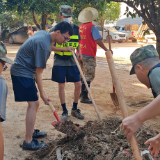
point(1, 143)
point(39, 72)
point(132, 123)
point(67, 49)
point(79, 55)
point(100, 43)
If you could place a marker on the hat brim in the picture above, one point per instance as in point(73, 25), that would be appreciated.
point(132, 71)
point(7, 60)
point(82, 15)
point(67, 15)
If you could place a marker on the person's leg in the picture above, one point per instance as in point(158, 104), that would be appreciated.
point(30, 120)
point(1, 142)
point(77, 91)
point(89, 73)
point(61, 91)
point(29, 143)
point(73, 75)
point(76, 112)
point(61, 87)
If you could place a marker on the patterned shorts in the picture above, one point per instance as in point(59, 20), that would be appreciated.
point(88, 65)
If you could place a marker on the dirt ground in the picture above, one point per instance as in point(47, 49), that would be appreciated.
point(136, 96)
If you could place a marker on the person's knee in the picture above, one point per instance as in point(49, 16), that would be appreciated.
point(78, 85)
point(34, 105)
point(61, 85)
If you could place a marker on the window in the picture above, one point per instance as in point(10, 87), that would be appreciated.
point(117, 28)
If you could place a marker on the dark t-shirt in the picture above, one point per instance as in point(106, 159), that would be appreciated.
point(32, 54)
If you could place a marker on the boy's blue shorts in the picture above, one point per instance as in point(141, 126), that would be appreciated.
point(24, 89)
point(62, 74)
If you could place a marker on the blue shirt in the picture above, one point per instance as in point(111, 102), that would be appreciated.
point(3, 98)
point(32, 54)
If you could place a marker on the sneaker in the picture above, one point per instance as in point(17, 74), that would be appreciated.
point(77, 113)
point(33, 145)
point(38, 134)
point(64, 115)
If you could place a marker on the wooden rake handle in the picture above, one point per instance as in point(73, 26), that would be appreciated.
point(54, 111)
point(122, 103)
point(84, 79)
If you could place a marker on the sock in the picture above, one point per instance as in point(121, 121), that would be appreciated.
point(64, 107)
point(74, 106)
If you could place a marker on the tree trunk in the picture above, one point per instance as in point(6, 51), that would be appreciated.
point(26, 22)
point(44, 21)
point(34, 19)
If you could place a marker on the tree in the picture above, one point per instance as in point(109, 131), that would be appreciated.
point(40, 7)
point(108, 13)
point(9, 20)
point(149, 10)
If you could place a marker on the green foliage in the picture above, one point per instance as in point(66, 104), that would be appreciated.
point(42, 9)
point(10, 20)
point(108, 12)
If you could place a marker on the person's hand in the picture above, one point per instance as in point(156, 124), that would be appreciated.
point(130, 125)
point(45, 99)
point(154, 144)
point(69, 49)
point(79, 56)
point(109, 50)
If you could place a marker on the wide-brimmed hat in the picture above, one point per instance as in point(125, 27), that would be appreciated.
point(141, 54)
point(88, 14)
point(3, 53)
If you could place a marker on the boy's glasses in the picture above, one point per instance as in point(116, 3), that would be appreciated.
point(4, 68)
point(66, 38)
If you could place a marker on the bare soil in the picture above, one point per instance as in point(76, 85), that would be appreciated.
point(136, 96)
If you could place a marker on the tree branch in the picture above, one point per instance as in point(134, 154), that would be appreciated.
point(130, 3)
point(34, 19)
point(26, 22)
point(152, 11)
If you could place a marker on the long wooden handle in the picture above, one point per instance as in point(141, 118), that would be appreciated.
point(51, 106)
point(84, 79)
point(109, 41)
point(122, 103)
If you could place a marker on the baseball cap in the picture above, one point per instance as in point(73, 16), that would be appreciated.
point(141, 54)
point(66, 10)
point(3, 52)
